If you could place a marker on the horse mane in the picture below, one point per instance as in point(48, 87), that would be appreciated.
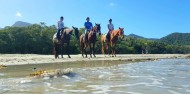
point(116, 32)
point(95, 28)
point(68, 31)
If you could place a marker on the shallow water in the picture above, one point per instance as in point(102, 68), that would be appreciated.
point(167, 76)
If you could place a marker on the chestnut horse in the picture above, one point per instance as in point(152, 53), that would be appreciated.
point(91, 40)
point(65, 38)
point(115, 34)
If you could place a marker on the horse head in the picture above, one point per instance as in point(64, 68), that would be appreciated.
point(98, 28)
point(121, 33)
point(76, 31)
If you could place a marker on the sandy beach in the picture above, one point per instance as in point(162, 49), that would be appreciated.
point(19, 59)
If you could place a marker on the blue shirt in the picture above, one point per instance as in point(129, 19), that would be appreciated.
point(88, 25)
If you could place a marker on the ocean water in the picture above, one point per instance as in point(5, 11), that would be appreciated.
point(165, 76)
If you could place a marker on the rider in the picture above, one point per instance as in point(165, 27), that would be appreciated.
point(110, 29)
point(88, 26)
point(60, 27)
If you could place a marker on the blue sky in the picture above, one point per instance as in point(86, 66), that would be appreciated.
point(148, 18)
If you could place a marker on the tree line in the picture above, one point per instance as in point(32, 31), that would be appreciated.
point(37, 39)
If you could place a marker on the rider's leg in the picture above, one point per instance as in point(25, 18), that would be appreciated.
point(108, 36)
point(58, 34)
point(86, 35)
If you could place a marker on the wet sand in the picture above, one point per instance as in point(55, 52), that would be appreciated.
point(20, 59)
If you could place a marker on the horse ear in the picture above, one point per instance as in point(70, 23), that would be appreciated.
point(73, 27)
point(95, 24)
point(119, 28)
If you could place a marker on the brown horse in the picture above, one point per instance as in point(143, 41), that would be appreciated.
point(91, 40)
point(112, 42)
point(65, 38)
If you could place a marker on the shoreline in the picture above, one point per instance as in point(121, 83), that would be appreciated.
point(21, 59)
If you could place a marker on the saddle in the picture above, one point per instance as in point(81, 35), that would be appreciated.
point(56, 35)
point(85, 37)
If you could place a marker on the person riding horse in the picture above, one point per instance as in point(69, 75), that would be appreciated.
point(64, 38)
point(88, 26)
point(60, 28)
point(115, 34)
point(110, 29)
point(91, 39)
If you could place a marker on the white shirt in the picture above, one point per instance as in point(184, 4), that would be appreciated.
point(60, 25)
point(110, 27)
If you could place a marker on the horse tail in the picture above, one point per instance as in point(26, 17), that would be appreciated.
point(81, 42)
point(55, 46)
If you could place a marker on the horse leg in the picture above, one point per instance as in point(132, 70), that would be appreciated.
point(93, 49)
point(85, 46)
point(90, 50)
point(103, 49)
point(68, 49)
point(62, 50)
point(82, 49)
point(112, 49)
point(107, 50)
point(55, 51)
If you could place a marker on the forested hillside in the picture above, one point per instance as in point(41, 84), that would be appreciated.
point(177, 39)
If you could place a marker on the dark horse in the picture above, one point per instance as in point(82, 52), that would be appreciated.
point(91, 40)
point(112, 42)
point(65, 38)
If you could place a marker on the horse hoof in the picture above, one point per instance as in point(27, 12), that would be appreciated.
point(69, 56)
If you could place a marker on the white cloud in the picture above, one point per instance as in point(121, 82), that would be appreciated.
point(18, 14)
point(111, 4)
